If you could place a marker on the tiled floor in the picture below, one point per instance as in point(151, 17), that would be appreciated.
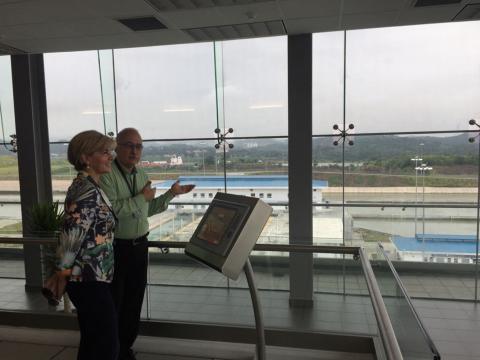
point(331, 312)
point(453, 325)
point(28, 344)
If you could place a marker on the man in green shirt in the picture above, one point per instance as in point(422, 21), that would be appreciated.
point(133, 201)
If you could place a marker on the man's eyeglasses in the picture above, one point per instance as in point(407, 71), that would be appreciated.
point(132, 146)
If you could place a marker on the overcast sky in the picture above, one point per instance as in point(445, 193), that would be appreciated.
point(397, 79)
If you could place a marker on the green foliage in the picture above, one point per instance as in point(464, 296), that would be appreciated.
point(47, 218)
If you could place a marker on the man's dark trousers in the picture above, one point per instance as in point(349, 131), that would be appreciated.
point(128, 287)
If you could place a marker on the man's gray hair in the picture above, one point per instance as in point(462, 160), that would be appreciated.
point(126, 131)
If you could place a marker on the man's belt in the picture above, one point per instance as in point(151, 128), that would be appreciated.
point(132, 242)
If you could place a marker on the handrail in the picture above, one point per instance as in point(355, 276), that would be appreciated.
point(352, 250)
point(389, 340)
point(30, 240)
point(431, 345)
point(387, 335)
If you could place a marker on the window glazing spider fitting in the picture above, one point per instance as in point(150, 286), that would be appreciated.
point(343, 135)
point(473, 122)
point(222, 138)
point(13, 137)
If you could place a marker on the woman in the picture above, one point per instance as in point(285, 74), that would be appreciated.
point(86, 251)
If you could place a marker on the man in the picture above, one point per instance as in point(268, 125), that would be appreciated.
point(133, 201)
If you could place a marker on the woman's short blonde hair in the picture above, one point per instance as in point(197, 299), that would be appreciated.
point(86, 143)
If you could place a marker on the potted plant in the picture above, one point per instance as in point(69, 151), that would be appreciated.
point(47, 220)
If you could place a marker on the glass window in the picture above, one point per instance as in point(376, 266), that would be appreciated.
point(327, 81)
point(10, 211)
point(74, 99)
point(414, 193)
point(255, 85)
point(413, 78)
point(167, 91)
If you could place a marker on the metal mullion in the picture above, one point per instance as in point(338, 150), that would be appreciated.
point(478, 225)
point(343, 151)
point(398, 205)
point(403, 133)
point(195, 139)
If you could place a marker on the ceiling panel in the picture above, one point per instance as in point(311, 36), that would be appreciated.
point(223, 15)
point(39, 12)
point(11, 1)
point(174, 5)
point(316, 24)
point(355, 6)
point(193, 18)
point(425, 15)
point(63, 29)
point(103, 42)
point(55, 25)
point(114, 8)
point(372, 20)
point(293, 9)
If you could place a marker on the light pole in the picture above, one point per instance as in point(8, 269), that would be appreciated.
point(416, 159)
point(423, 168)
point(203, 154)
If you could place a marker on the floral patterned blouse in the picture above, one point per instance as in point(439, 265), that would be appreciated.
point(86, 240)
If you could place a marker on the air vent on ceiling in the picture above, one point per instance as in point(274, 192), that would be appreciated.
point(143, 23)
point(469, 12)
point(10, 50)
point(238, 31)
point(172, 5)
point(421, 3)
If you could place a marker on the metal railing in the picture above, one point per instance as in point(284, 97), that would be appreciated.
point(401, 287)
point(387, 334)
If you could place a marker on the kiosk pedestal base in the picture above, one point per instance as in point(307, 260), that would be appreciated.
point(257, 312)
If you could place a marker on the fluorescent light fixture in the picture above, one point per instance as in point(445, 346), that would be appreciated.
point(95, 112)
point(265, 106)
point(179, 110)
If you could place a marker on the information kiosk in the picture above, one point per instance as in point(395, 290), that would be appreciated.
point(224, 239)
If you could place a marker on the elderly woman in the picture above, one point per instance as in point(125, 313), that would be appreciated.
point(86, 251)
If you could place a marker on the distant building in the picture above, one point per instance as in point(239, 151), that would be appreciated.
point(271, 189)
point(161, 163)
point(146, 163)
point(327, 230)
point(176, 160)
point(459, 249)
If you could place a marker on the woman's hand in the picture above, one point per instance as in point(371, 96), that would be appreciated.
point(54, 286)
point(64, 273)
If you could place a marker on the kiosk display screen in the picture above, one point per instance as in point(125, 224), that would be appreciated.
point(220, 225)
point(213, 230)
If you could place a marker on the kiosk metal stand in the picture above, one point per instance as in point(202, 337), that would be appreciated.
point(224, 239)
point(257, 311)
